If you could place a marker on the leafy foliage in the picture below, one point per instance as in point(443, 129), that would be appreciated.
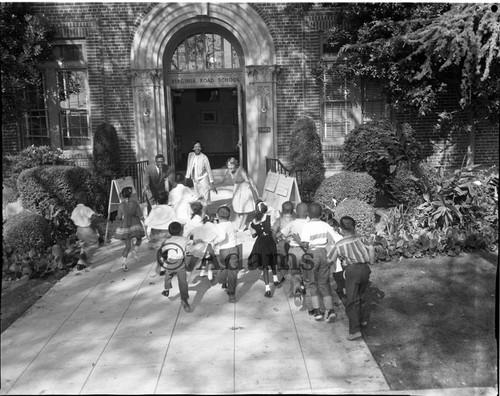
point(25, 43)
point(49, 191)
point(306, 155)
point(361, 212)
point(30, 157)
point(377, 147)
point(107, 165)
point(27, 230)
point(56, 259)
point(344, 185)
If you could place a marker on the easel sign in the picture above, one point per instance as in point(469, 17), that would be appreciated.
point(280, 188)
point(117, 185)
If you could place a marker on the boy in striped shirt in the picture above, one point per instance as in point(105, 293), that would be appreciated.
point(355, 257)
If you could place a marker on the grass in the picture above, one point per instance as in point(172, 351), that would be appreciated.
point(433, 322)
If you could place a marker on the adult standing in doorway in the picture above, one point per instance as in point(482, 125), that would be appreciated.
point(200, 172)
point(157, 179)
point(245, 192)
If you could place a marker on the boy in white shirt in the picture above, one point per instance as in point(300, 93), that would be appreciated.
point(83, 216)
point(316, 237)
point(228, 256)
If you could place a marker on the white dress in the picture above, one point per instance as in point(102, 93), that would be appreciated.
point(179, 198)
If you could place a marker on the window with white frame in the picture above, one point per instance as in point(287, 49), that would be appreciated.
point(62, 103)
point(336, 108)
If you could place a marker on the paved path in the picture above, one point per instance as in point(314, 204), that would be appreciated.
point(107, 331)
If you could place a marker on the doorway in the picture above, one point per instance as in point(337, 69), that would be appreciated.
point(209, 115)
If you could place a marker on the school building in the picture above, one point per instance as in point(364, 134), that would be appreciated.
point(235, 76)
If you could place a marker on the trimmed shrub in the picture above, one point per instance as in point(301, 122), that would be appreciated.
point(377, 147)
point(28, 230)
point(306, 154)
point(28, 158)
point(107, 164)
point(48, 190)
point(344, 185)
point(361, 212)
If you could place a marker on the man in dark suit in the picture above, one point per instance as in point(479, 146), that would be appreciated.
point(157, 179)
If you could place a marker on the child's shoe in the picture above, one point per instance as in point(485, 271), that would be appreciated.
point(165, 292)
point(318, 315)
point(224, 286)
point(297, 299)
point(354, 336)
point(268, 293)
point(185, 305)
point(311, 312)
point(232, 298)
point(203, 273)
point(123, 263)
point(330, 315)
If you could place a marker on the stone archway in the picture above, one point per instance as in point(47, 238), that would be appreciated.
point(149, 44)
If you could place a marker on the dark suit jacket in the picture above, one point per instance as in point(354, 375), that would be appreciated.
point(154, 184)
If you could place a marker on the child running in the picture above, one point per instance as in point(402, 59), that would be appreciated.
point(172, 257)
point(355, 257)
point(132, 226)
point(228, 252)
point(316, 236)
point(287, 215)
point(263, 254)
point(83, 217)
point(295, 252)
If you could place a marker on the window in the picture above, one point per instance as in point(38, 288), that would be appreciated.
point(204, 51)
point(337, 108)
point(36, 130)
point(61, 102)
point(346, 104)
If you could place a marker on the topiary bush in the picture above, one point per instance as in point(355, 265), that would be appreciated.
point(361, 212)
point(107, 164)
point(48, 191)
point(344, 185)
point(306, 155)
point(28, 230)
point(377, 147)
point(30, 157)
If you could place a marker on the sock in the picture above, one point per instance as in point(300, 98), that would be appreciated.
point(275, 278)
point(268, 288)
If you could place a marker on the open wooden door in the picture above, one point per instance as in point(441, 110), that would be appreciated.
point(170, 128)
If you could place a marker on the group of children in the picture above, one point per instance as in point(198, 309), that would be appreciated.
point(298, 246)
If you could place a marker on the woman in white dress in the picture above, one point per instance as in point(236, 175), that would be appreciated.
point(200, 172)
point(180, 199)
point(244, 193)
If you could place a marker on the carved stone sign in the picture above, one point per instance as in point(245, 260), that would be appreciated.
point(201, 80)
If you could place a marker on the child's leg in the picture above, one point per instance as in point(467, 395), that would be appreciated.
point(183, 286)
point(230, 260)
point(364, 312)
point(168, 280)
point(324, 281)
point(128, 244)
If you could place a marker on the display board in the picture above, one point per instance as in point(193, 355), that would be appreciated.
point(117, 185)
point(279, 188)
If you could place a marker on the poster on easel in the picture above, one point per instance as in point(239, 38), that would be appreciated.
point(281, 188)
point(117, 185)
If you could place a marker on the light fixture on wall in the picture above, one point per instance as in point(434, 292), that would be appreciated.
point(145, 97)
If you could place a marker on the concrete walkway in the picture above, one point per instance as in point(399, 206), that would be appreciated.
point(106, 331)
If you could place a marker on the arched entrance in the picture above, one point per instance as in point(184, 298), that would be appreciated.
point(203, 68)
point(162, 30)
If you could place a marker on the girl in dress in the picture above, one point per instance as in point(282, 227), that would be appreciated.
point(132, 225)
point(244, 192)
point(264, 253)
point(180, 199)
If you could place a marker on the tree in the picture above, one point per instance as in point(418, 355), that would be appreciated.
point(418, 51)
point(25, 43)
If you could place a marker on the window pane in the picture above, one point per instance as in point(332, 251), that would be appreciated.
point(36, 129)
point(204, 51)
point(68, 52)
